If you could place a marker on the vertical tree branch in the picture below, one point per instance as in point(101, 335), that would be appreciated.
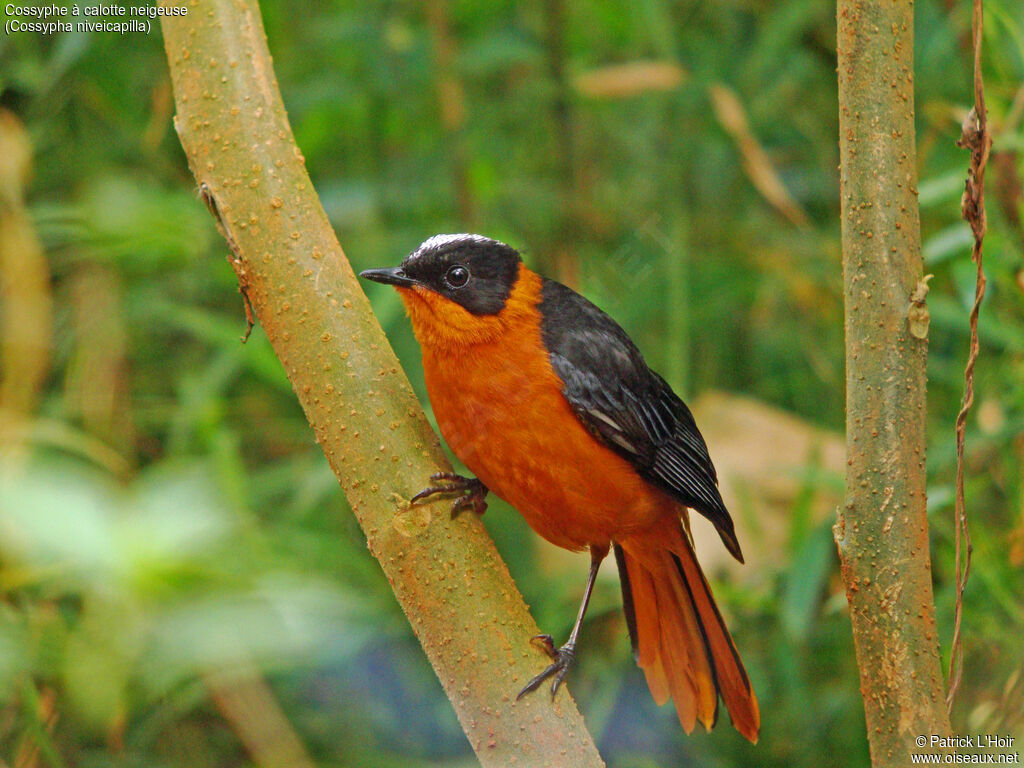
point(454, 588)
point(882, 532)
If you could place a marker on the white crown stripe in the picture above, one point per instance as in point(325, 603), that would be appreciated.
point(438, 241)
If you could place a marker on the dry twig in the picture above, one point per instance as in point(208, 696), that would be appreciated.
point(975, 137)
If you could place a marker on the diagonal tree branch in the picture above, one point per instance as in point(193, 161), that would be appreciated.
point(449, 579)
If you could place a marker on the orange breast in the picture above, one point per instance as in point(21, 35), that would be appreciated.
point(500, 408)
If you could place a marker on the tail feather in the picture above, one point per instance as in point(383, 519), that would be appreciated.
point(733, 683)
point(688, 684)
point(697, 647)
point(680, 639)
point(649, 634)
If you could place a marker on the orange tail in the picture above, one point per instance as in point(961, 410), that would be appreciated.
point(679, 637)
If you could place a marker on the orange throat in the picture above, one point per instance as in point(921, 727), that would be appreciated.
point(441, 325)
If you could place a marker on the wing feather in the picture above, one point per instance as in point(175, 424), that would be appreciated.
point(629, 407)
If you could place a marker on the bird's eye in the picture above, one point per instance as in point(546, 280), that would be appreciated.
point(456, 276)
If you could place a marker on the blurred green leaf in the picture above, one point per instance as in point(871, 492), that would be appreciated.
point(805, 582)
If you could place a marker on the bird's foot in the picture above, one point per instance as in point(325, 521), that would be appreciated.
point(561, 659)
point(471, 492)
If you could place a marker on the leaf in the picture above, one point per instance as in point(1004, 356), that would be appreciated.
point(59, 515)
point(278, 624)
point(620, 81)
point(805, 581)
point(762, 173)
point(947, 243)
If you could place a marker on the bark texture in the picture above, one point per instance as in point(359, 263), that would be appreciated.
point(882, 532)
point(456, 591)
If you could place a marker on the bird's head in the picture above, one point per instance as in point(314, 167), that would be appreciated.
point(456, 288)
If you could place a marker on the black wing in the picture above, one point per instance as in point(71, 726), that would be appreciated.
point(629, 407)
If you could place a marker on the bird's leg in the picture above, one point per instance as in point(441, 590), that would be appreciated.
point(471, 492)
point(562, 658)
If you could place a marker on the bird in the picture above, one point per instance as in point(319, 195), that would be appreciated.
point(550, 404)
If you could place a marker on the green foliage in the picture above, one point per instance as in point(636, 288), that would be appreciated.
point(191, 532)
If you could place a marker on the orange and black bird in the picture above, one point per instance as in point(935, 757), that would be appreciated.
point(551, 405)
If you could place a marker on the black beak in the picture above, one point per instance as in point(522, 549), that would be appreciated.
point(392, 276)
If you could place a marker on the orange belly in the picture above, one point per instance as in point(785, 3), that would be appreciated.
point(500, 408)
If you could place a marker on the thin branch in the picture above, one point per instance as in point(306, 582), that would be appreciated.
point(447, 576)
point(247, 703)
point(975, 137)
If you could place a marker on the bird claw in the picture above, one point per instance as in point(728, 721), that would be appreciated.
point(473, 492)
point(561, 659)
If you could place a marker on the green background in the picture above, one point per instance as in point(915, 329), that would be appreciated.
point(172, 541)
